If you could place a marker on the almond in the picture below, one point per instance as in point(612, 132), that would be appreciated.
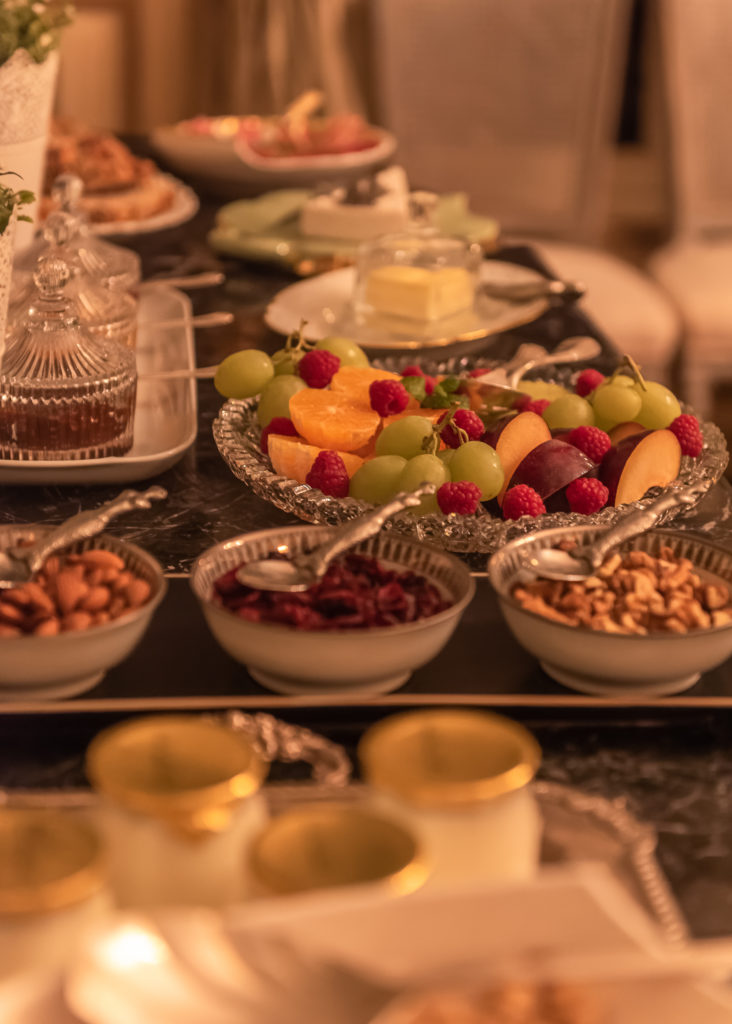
point(137, 592)
point(96, 599)
point(70, 590)
point(100, 557)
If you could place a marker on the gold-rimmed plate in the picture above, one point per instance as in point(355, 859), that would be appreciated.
point(325, 303)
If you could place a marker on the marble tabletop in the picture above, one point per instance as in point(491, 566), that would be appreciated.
point(673, 766)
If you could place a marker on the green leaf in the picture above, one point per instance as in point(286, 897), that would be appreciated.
point(415, 387)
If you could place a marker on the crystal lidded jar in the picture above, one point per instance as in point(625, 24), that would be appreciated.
point(64, 394)
point(102, 306)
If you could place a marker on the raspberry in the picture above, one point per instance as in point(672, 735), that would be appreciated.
point(522, 500)
point(429, 384)
point(689, 435)
point(412, 371)
point(537, 405)
point(468, 421)
point(328, 474)
point(277, 425)
point(317, 367)
point(590, 440)
point(462, 497)
point(587, 381)
point(586, 495)
point(388, 397)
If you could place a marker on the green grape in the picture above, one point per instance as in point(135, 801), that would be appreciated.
point(377, 479)
point(424, 469)
point(347, 351)
point(614, 403)
point(404, 437)
point(447, 456)
point(283, 362)
point(542, 389)
point(275, 399)
point(479, 463)
point(243, 374)
point(658, 407)
point(569, 411)
point(623, 381)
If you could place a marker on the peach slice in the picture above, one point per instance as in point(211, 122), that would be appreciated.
point(638, 462)
point(292, 457)
point(331, 420)
point(355, 381)
point(513, 438)
point(549, 467)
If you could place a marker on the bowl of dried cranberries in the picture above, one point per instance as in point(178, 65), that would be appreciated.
point(383, 609)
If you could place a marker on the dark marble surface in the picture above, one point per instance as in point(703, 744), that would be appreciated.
point(672, 765)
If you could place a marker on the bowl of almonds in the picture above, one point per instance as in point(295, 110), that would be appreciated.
point(655, 615)
point(83, 613)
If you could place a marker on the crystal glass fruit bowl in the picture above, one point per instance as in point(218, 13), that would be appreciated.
point(237, 436)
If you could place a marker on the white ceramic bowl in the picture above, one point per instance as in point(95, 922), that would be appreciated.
point(334, 662)
point(48, 667)
point(613, 664)
point(216, 162)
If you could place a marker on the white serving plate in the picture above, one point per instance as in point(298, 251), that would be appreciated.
point(184, 206)
point(325, 303)
point(166, 416)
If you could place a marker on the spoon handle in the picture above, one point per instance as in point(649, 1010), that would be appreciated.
point(88, 524)
point(350, 534)
point(639, 522)
point(571, 350)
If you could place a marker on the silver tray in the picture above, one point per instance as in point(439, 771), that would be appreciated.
point(577, 826)
point(237, 433)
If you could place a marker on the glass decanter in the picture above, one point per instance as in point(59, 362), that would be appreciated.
point(64, 394)
point(106, 312)
point(420, 275)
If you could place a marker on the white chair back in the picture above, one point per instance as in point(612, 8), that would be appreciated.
point(514, 101)
point(695, 38)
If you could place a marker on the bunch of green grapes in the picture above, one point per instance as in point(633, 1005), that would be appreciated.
point(402, 462)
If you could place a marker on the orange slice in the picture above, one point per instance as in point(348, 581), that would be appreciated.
point(292, 457)
point(332, 420)
point(355, 381)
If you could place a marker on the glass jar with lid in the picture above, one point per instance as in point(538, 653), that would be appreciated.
point(180, 801)
point(461, 781)
point(418, 278)
point(106, 312)
point(64, 394)
point(52, 887)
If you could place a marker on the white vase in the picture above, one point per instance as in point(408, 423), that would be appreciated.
point(26, 97)
point(7, 239)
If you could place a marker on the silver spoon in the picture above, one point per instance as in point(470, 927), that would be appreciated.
point(301, 571)
point(585, 560)
point(527, 291)
point(20, 564)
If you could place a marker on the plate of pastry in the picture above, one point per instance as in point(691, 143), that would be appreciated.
point(123, 194)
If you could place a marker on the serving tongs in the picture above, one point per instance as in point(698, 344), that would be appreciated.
point(19, 564)
point(499, 389)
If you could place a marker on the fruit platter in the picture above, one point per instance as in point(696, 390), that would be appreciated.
point(325, 435)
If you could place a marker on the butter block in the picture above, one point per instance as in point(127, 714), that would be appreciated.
point(331, 216)
point(419, 293)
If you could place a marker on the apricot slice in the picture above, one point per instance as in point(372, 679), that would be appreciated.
point(333, 420)
point(638, 462)
point(355, 381)
point(621, 430)
point(513, 439)
point(292, 457)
